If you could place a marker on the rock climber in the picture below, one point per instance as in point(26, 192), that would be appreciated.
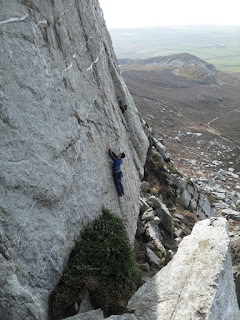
point(117, 173)
point(122, 106)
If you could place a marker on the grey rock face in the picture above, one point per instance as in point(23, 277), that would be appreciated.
point(197, 283)
point(59, 90)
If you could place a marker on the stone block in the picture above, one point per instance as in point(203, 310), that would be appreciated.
point(178, 292)
point(89, 315)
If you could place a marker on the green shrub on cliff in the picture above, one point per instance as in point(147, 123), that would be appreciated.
point(104, 262)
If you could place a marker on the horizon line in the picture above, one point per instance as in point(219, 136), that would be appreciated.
point(176, 25)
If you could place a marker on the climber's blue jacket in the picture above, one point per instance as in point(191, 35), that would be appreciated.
point(117, 162)
point(116, 165)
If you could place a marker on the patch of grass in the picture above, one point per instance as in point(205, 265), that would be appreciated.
point(104, 263)
point(155, 190)
point(211, 199)
point(190, 217)
point(173, 170)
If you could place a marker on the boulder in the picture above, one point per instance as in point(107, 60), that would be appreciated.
point(161, 149)
point(201, 200)
point(143, 205)
point(86, 304)
point(89, 315)
point(165, 216)
point(152, 231)
point(152, 258)
point(156, 220)
point(206, 207)
point(220, 205)
point(234, 175)
point(196, 284)
point(145, 186)
point(126, 316)
point(193, 205)
point(190, 189)
point(148, 215)
point(185, 198)
point(200, 214)
point(144, 266)
point(154, 202)
point(234, 215)
point(219, 195)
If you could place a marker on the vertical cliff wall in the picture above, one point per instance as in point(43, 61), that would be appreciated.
point(59, 87)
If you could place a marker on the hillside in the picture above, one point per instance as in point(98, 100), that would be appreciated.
point(217, 45)
point(190, 96)
point(185, 65)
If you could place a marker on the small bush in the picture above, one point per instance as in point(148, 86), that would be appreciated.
point(155, 189)
point(104, 262)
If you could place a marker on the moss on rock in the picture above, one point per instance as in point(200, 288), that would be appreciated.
point(104, 262)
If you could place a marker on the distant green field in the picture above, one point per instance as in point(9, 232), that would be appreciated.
point(217, 45)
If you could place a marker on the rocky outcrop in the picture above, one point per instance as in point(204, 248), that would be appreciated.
point(59, 88)
point(196, 284)
point(186, 191)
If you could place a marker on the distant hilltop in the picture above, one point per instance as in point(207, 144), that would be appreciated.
point(183, 64)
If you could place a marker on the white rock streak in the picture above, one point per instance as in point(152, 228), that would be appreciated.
point(66, 10)
point(17, 19)
point(42, 22)
point(95, 61)
point(68, 68)
point(19, 234)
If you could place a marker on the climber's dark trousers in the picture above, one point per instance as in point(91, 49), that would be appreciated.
point(118, 183)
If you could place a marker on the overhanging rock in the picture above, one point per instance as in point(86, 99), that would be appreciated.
point(197, 284)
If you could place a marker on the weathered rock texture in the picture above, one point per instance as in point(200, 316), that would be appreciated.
point(59, 87)
point(90, 315)
point(197, 284)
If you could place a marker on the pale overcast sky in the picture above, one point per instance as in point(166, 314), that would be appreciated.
point(147, 13)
